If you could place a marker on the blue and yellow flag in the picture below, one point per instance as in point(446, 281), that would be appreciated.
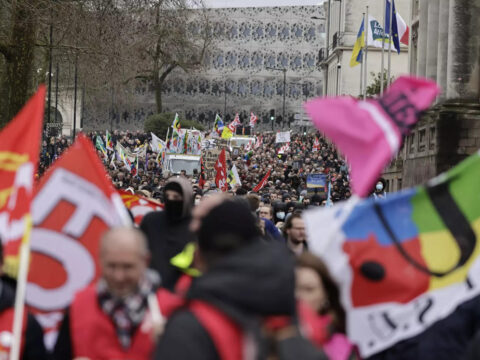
point(358, 47)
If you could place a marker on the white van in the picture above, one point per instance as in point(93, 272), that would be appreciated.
point(241, 140)
point(174, 163)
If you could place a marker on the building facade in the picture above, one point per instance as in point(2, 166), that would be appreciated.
point(344, 18)
point(445, 47)
point(254, 51)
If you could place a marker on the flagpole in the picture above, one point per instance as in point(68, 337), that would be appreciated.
point(365, 72)
point(382, 70)
point(21, 289)
point(390, 44)
point(361, 64)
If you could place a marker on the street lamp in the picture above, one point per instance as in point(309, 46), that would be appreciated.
point(284, 88)
point(225, 103)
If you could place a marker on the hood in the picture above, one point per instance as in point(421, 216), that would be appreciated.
point(187, 193)
point(257, 279)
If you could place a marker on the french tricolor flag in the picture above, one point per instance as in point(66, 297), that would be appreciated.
point(400, 31)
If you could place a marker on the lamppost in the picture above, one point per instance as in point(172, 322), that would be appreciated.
point(75, 99)
point(284, 88)
point(225, 95)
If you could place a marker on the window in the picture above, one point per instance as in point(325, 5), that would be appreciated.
point(411, 143)
point(432, 138)
point(422, 140)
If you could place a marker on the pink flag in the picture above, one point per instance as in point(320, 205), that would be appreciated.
point(370, 133)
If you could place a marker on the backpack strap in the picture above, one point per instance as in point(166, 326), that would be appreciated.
point(225, 334)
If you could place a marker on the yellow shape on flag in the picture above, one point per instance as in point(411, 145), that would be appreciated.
point(441, 253)
point(11, 161)
point(359, 45)
point(226, 133)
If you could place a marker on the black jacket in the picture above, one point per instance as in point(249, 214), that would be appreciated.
point(165, 240)
point(254, 282)
point(166, 237)
point(34, 348)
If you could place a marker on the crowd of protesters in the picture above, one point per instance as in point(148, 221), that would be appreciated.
point(230, 271)
point(285, 192)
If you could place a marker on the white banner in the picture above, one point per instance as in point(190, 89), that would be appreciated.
point(283, 137)
point(157, 144)
point(375, 34)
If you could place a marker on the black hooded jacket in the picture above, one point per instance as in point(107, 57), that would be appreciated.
point(253, 282)
point(167, 235)
point(34, 348)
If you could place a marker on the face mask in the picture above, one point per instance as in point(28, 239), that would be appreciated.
point(197, 201)
point(281, 215)
point(174, 209)
point(379, 187)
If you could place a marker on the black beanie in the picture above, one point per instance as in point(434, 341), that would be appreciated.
point(227, 227)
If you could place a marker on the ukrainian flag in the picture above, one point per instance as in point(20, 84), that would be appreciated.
point(359, 45)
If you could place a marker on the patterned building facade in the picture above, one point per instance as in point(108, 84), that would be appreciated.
point(243, 71)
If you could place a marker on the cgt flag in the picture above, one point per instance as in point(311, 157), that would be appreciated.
point(370, 133)
point(262, 183)
point(406, 262)
point(71, 209)
point(139, 205)
point(221, 169)
point(19, 144)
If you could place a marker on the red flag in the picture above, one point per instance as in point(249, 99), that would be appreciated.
point(139, 205)
point(19, 144)
point(221, 168)
point(262, 183)
point(284, 148)
point(236, 122)
point(202, 178)
point(74, 205)
point(259, 142)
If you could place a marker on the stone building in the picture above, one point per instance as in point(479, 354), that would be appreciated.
point(243, 71)
point(344, 18)
point(445, 47)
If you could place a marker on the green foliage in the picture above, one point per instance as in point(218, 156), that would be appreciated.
point(374, 88)
point(159, 124)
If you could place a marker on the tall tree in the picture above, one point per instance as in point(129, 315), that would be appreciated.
point(113, 44)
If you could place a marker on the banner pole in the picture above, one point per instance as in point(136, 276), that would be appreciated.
point(21, 289)
point(365, 83)
point(390, 45)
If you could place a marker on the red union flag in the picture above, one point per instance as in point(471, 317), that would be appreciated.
point(139, 205)
point(221, 168)
point(262, 183)
point(19, 144)
point(74, 204)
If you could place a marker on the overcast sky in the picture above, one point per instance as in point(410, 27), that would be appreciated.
point(253, 3)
